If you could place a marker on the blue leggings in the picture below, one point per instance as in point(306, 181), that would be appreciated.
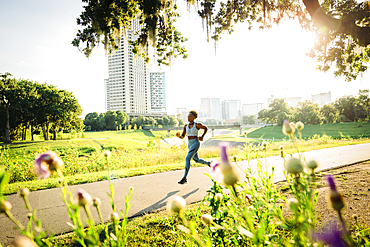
point(193, 146)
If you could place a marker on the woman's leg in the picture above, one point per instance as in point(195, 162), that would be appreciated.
point(199, 160)
point(193, 146)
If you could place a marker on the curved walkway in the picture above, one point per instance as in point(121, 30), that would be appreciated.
point(151, 192)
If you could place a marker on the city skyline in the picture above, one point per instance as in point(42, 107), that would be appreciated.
point(248, 65)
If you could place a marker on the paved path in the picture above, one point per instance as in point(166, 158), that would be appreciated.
point(151, 192)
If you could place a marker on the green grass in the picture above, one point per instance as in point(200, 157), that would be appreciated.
point(134, 152)
point(336, 131)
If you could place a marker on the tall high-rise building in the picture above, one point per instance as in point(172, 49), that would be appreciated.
point(158, 91)
point(128, 85)
point(230, 109)
point(210, 108)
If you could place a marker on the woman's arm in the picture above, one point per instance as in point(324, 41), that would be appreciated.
point(183, 133)
point(205, 129)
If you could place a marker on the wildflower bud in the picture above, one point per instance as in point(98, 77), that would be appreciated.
point(23, 241)
point(288, 129)
point(235, 158)
point(264, 144)
point(5, 206)
point(223, 146)
point(96, 202)
point(281, 147)
point(294, 166)
point(114, 216)
point(292, 203)
point(218, 197)
point(355, 217)
point(312, 164)
point(176, 204)
point(106, 153)
point(248, 197)
point(29, 215)
point(282, 154)
point(206, 219)
point(230, 176)
point(84, 198)
point(336, 200)
point(47, 162)
point(24, 192)
point(299, 126)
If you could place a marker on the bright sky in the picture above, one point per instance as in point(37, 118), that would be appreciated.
point(35, 44)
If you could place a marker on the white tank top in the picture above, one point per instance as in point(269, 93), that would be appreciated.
point(193, 131)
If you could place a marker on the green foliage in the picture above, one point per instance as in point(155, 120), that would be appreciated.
point(29, 105)
point(338, 44)
point(249, 119)
point(343, 109)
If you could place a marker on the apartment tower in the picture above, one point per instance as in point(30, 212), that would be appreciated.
point(158, 92)
point(128, 85)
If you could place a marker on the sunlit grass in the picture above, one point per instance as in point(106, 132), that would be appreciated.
point(133, 153)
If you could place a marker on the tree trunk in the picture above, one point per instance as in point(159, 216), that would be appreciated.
point(24, 136)
point(54, 134)
point(45, 132)
point(32, 133)
point(7, 128)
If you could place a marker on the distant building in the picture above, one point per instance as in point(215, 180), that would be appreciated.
point(251, 109)
point(158, 92)
point(292, 101)
point(210, 108)
point(128, 85)
point(230, 109)
point(321, 99)
point(183, 112)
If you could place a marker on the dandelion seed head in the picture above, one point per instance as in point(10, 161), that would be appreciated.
point(206, 219)
point(294, 166)
point(5, 206)
point(24, 192)
point(177, 204)
point(84, 198)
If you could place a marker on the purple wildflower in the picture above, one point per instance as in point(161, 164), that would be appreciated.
point(331, 182)
point(84, 198)
point(331, 236)
point(336, 198)
point(214, 166)
point(47, 162)
point(223, 146)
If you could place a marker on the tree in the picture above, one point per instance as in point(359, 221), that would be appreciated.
point(150, 121)
point(91, 121)
point(121, 118)
point(275, 107)
point(9, 90)
point(110, 120)
point(307, 113)
point(342, 27)
point(249, 119)
point(263, 115)
point(139, 121)
point(328, 112)
point(362, 105)
point(345, 107)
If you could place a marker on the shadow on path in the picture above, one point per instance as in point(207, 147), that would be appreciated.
point(162, 203)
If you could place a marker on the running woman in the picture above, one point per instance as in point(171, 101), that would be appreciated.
point(191, 130)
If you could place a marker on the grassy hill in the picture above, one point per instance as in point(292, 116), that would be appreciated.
point(336, 131)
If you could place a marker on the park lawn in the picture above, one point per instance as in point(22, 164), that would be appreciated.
point(133, 152)
point(352, 130)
